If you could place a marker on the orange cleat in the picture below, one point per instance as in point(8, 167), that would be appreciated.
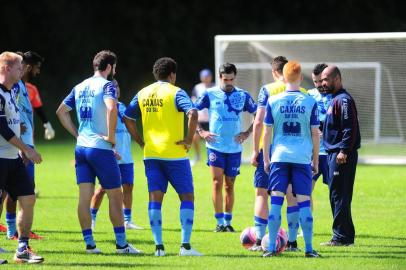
point(35, 236)
point(3, 228)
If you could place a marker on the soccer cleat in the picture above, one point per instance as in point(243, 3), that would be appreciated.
point(312, 254)
point(159, 251)
point(128, 249)
point(334, 243)
point(27, 256)
point(132, 226)
point(189, 252)
point(270, 254)
point(35, 236)
point(229, 228)
point(256, 247)
point(220, 228)
point(3, 261)
point(292, 247)
point(14, 237)
point(92, 250)
point(3, 228)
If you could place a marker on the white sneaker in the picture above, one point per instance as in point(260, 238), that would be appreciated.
point(160, 253)
point(94, 250)
point(2, 250)
point(129, 249)
point(191, 252)
point(132, 226)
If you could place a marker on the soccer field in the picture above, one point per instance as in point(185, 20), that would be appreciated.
point(379, 212)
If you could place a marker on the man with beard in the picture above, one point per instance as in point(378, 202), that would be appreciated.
point(33, 68)
point(95, 100)
point(323, 100)
point(224, 139)
point(342, 139)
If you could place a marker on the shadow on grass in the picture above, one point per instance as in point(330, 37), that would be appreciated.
point(115, 265)
point(57, 197)
point(366, 236)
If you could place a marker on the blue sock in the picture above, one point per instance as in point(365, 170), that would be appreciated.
point(93, 213)
point(220, 218)
point(88, 237)
point(260, 227)
point(155, 219)
point(227, 218)
point(127, 214)
point(11, 224)
point(22, 244)
point(186, 219)
point(306, 222)
point(274, 221)
point(292, 216)
point(121, 240)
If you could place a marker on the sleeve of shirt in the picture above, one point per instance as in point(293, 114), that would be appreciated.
point(203, 102)
point(70, 99)
point(5, 130)
point(133, 110)
point(109, 91)
point(348, 124)
point(183, 102)
point(249, 105)
point(268, 120)
point(34, 96)
point(263, 97)
point(314, 118)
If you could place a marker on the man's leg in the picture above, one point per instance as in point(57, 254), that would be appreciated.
point(292, 217)
point(155, 219)
point(86, 191)
point(217, 195)
point(229, 201)
point(274, 220)
point(261, 213)
point(95, 203)
point(11, 207)
point(115, 196)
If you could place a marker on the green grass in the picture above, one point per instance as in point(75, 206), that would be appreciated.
point(379, 211)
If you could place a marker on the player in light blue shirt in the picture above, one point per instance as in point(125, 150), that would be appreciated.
point(95, 100)
point(295, 147)
point(323, 100)
point(224, 139)
point(126, 165)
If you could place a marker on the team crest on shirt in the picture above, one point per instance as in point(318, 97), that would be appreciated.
point(212, 157)
point(235, 102)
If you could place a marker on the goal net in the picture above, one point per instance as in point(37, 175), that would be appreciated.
point(373, 71)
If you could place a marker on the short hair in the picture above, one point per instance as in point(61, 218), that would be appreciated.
point(278, 63)
point(335, 71)
point(104, 58)
point(227, 68)
point(32, 58)
point(292, 71)
point(163, 67)
point(9, 58)
point(318, 69)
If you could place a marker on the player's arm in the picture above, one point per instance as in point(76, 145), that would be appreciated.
point(315, 122)
point(203, 102)
point(251, 107)
point(348, 126)
point(132, 113)
point(63, 113)
point(185, 104)
point(258, 124)
point(110, 100)
point(268, 122)
point(36, 102)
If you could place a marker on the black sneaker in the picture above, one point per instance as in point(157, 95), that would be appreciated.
point(3, 261)
point(292, 247)
point(220, 228)
point(312, 254)
point(270, 254)
point(229, 228)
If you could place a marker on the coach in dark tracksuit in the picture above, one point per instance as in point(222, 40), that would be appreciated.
point(342, 138)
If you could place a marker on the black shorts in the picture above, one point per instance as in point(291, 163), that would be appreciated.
point(14, 178)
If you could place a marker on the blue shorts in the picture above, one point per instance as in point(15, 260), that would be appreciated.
point(323, 169)
point(229, 162)
point(284, 173)
point(100, 163)
point(261, 178)
point(177, 172)
point(127, 173)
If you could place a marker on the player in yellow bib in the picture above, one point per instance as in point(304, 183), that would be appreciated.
point(162, 107)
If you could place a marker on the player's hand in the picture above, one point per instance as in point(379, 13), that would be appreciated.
point(341, 158)
point(110, 140)
point(33, 155)
point(23, 128)
point(315, 167)
point(24, 158)
point(116, 154)
point(208, 136)
point(185, 144)
point(241, 137)
point(267, 166)
point(49, 131)
point(254, 157)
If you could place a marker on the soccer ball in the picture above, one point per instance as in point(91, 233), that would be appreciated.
point(248, 237)
point(281, 241)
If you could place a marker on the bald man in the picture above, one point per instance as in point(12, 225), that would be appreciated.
point(342, 138)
